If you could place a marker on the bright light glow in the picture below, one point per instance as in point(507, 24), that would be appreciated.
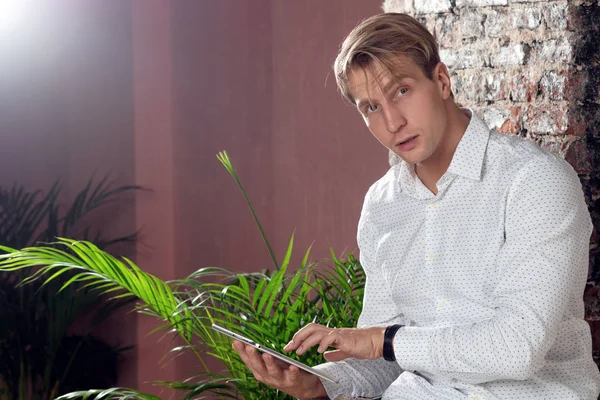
point(11, 14)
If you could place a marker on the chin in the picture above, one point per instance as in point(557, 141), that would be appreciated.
point(409, 158)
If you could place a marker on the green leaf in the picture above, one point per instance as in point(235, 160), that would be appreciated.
point(224, 159)
point(273, 287)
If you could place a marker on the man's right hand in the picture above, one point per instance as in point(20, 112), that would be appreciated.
point(280, 375)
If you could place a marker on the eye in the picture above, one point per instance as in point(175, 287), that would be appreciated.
point(371, 108)
point(402, 91)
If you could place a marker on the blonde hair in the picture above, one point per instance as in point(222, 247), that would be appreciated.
point(380, 39)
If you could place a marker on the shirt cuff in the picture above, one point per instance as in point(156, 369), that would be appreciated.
point(412, 346)
point(344, 389)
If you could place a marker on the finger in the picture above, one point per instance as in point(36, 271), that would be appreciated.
point(241, 350)
point(280, 363)
point(335, 355)
point(273, 369)
point(255, 361)
point(238, 346)
point(247, 359)
point(293, 375)
point(312, 340)
point(328, 341)
point(302, 334)
point(332, 338)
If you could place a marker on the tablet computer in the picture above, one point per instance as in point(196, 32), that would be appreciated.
point(272, 352)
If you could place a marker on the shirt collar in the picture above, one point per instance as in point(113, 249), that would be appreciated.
point(467, 160)
point(470, 153)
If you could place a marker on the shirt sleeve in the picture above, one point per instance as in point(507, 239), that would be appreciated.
point(366, 378)
point(542, 268)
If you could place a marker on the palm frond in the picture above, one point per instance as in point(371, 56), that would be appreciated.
point(267, 306)
point(94, 266)
point(108, 394)
point(86, 201)
point(215, 385)
point(38, 356)
point(22, 213)
point(223, 157)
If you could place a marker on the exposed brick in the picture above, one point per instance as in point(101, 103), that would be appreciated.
point(595, 328)
point(428, 20)
point(595, 251)
point(578, 156)
point(495, 118)
point(505, 120)
point(550, 143)
point(480, 3)
point(402, 6)
point(446, 29)
point(594, 238)
point(591, 298)
point(468, 87)
point(553, 51)
point(495, 86)
point(464, 57)
point(552, 85)
point(547, 119)
point(583, 18)
point(432, 6)
point(516, 54)
point(527, 18)
point(471, 24)
point(522, 88)
point(590, 116)
point(498, 23)
point(555, 15)
point(580, 121)
point(576, 84)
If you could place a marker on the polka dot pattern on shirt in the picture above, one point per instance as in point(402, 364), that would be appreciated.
point(487, 275)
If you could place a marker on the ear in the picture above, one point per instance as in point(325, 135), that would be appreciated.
point(441, 76)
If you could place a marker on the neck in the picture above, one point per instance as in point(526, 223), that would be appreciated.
point(432, 169)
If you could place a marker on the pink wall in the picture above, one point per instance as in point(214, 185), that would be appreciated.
point(154, 155)
point(222, 93)
point(152, 90)
point(255, 86)
point(325, 158)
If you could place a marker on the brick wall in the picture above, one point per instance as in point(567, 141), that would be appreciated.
point(530, 68)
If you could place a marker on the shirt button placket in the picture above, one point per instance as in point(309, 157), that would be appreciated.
point(430, 222)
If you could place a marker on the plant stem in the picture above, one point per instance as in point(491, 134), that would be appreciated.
point(224, 158)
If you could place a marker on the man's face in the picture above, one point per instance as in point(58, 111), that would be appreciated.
point(405, 114)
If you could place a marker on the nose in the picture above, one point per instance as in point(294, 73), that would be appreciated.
point(394, 119)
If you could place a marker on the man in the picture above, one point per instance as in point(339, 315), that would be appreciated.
point(475, 248)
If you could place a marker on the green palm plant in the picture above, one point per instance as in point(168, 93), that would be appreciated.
point(269, 306)
point(40, 356)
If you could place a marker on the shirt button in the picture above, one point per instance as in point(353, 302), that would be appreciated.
point(431, 256)
point(442, 303)
point(433, 204)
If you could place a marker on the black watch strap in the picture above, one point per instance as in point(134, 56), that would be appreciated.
point(388, 342)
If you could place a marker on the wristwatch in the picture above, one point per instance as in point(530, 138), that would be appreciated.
point(388, 342)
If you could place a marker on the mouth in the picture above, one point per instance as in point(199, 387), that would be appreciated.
point(406, 142)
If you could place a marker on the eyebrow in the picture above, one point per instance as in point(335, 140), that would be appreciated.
point(386, 88)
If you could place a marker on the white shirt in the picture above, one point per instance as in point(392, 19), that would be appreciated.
point(487, 275)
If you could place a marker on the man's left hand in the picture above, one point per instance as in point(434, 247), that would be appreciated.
point(360, 343)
